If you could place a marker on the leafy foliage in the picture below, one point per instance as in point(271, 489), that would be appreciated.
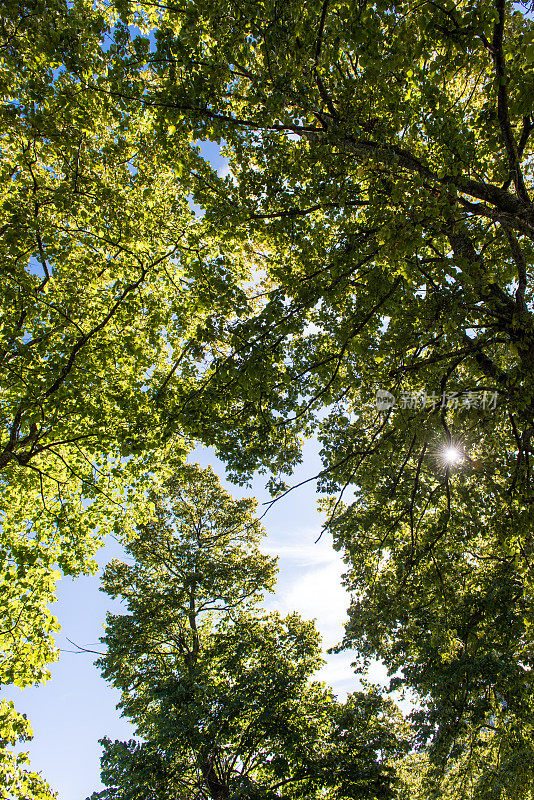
point(220, 691)
point(17, 779)
point(375, 233)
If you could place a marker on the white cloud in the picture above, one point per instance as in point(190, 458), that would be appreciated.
point(339, 674)
point(310, 583)
point(224, 171)
point(318, 594)
point(304, 550)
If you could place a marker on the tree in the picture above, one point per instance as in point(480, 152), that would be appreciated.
point(221, 691)
point(381, 167)
point(106, 276)
point(17, 779)
point(375, 233)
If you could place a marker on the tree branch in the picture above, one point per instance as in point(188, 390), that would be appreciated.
point(502, 103)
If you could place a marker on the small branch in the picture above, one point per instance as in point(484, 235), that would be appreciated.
point(43, 263)
point(81, 649)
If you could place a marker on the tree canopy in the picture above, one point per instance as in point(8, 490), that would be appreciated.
point(362, 274)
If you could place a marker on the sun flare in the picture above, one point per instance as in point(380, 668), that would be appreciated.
point(451, 455)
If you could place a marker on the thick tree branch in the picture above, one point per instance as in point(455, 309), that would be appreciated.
point(502, 102)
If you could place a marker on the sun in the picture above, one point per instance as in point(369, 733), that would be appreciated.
point(451, 455)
